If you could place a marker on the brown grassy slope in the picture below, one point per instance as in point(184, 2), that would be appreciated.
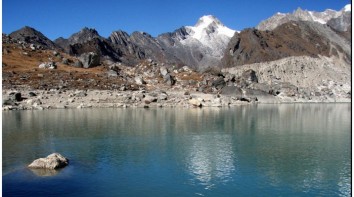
point(20, 69)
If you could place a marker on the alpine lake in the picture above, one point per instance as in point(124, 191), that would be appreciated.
point(250, 150)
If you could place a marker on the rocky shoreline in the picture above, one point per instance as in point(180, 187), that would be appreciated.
point(79, 99)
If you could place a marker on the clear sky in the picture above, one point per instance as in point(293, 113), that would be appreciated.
point(55, 18)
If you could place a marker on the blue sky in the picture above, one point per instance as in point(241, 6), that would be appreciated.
point(56, 18)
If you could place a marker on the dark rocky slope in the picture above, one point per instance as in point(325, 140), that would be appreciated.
point(30, 35)
point(290, 39)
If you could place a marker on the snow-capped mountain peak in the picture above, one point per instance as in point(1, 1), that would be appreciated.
point(347, 8)
point(201, 45)
point(206, 20)
point(207, 25)
point(280, 14)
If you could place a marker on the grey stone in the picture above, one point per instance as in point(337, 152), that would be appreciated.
point(139, 80)
point(52, 161)
point(80, 93)
point(90, 59)
point(169, 80)
point(112, 73)
point(163, 70)
point(285, 88)
point(48, 65)
point(229, 77)
point(258, 95)
point(31, 94)
point(250, 76)
point(261, 86)
point(78, 64)
point(33, 47)
point(195, 102)
point(219, 83)
point(16, 96)
point(65, 61)
point(149, 99)
point(186, 69)
point(7, 101)
point(162, 96)
point(114, 67)
point(232, 91)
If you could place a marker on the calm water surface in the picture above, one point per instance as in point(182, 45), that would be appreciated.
point(259, 150)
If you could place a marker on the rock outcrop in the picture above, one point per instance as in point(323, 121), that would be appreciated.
point(90, 60)
point(48, 65)
point(31, 35)
point(52, 161)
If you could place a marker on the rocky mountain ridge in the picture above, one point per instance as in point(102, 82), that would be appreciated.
point(196, 46)
point(304, 15)
point(31, 35)
point(206, 44)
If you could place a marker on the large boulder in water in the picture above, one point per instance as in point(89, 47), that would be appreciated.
point(52, 161)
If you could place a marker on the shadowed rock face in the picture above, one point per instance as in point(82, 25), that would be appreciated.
point(84, 35)
point(88, 40)
point(130, 52)
point(96, 45)
point(30, 35)
point(290, 39)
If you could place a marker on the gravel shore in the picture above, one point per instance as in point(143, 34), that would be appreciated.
point(69, 99)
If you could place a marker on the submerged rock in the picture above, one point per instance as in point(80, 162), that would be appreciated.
point(52, 161)
point(44, 172)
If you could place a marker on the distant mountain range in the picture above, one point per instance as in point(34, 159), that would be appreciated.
point(211, 44)
point(338, 20)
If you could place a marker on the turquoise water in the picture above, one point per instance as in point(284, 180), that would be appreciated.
point(258, 150)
